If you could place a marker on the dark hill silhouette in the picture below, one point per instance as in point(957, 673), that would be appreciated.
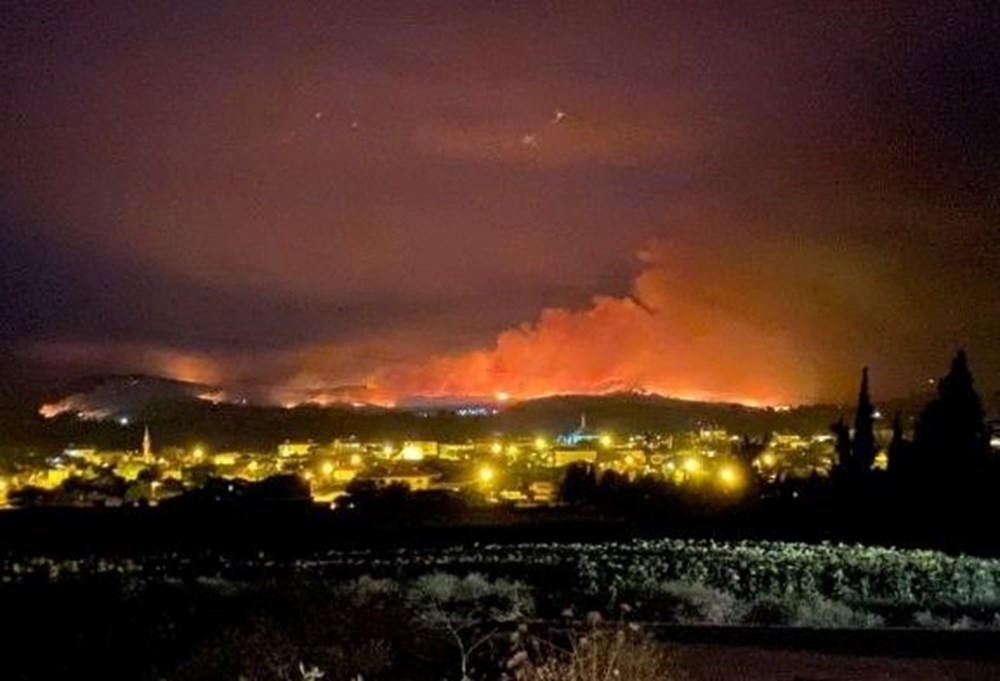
point(177, 417)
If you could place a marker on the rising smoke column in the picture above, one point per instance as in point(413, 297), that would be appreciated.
point(664, 338)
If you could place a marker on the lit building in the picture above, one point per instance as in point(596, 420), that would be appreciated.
point(413, 479)
point(581, 436)
point(418, 450)
point(564, 457)
point(542, 492)
point(289, 449)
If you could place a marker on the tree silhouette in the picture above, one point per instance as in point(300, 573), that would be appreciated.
point(842, 443)
point(579, 484)
point(856, 454)
point(863, 447)
point(952, 429)
point(747, 449)
point(898, 446)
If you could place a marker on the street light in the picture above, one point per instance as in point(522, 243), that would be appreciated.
point(486, 475)
point(729, 477)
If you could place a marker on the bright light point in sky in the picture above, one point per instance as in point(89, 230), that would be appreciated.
point(502, 396)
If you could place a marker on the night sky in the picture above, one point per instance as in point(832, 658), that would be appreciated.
point(730, 200)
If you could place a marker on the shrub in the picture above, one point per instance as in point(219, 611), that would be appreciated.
point(812, 612)
point(620, 652)
point(822, 613)
point(688, 603)
point(468, 611)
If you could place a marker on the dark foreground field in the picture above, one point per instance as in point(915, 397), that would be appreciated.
point(218, 629)
point(707, 662)
point(247, 594)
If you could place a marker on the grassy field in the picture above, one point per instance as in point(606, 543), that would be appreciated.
point(407, 612)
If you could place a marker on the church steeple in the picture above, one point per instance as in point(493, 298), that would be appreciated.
point(147, 444)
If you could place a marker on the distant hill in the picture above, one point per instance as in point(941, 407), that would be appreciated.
point(640, 412)
point(114, 396)
point(115, 408)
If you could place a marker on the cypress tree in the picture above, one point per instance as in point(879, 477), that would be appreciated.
point(856, 453)
point(863, 447)
point(897, 446)
point(952, 429)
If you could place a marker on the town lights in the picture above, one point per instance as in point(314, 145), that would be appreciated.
point(540, 443)
point(729, 477)
point(496, 448)
point(412, 453)
point(607, 440)
point(327, 468)
point(486, 475)
point(692, 465)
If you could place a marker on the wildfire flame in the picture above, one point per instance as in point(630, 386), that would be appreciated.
point(661, 338)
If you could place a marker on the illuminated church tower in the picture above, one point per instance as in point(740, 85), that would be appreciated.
point(147, 445)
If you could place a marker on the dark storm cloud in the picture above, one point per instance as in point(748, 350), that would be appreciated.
point(325, 186)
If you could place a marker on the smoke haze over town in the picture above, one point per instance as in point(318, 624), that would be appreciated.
point(350, 201)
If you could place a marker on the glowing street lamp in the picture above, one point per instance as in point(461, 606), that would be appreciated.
point(729, 477)
point(486, 475)
point(412, 453)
